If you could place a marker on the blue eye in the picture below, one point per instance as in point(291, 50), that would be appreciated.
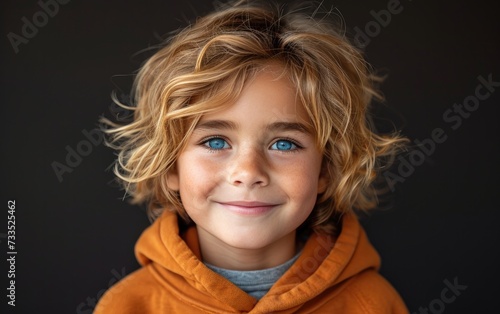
point(283, 145)
point(216, 143)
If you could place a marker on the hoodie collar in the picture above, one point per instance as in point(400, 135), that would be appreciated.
point(324, 262)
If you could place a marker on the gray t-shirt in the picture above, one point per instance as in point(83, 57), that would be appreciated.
point(255, 282)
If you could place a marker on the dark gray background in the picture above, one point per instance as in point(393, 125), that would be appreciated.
point(74, 237)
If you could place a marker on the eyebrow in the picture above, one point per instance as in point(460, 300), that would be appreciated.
point(288, 126)
point(229, 125)
point(217, 125)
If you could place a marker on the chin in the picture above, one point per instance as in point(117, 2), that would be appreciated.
point(247, 240)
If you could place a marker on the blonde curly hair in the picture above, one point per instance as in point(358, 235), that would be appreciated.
point(205, 66)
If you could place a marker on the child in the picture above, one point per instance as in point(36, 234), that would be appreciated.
point(251, 146)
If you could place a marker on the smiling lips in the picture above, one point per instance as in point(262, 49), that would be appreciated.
point(248, 207)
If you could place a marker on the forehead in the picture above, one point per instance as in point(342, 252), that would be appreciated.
point(269, 95)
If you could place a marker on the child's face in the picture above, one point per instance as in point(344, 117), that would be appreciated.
point(250, 173)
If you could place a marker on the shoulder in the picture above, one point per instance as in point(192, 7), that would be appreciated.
point(131, 294)
point(374, 294)
point(365, 293)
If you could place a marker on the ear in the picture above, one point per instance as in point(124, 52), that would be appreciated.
point(172, 178)
point(323, 178)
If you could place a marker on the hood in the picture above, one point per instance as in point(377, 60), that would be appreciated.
point(324, 264)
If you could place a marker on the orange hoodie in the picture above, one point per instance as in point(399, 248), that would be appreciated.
point(328, 277)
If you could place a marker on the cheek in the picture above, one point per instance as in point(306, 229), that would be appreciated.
point(303, 176)
point(300, 182)
point(197, 178)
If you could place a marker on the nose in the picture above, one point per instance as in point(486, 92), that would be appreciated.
point(249, 169)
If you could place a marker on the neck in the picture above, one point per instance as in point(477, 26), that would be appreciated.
point(222, 255)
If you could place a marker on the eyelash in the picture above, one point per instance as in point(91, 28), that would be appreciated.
point(204, 142)
point(294, 150)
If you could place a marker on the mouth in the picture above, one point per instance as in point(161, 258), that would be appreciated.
point(248, 208)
